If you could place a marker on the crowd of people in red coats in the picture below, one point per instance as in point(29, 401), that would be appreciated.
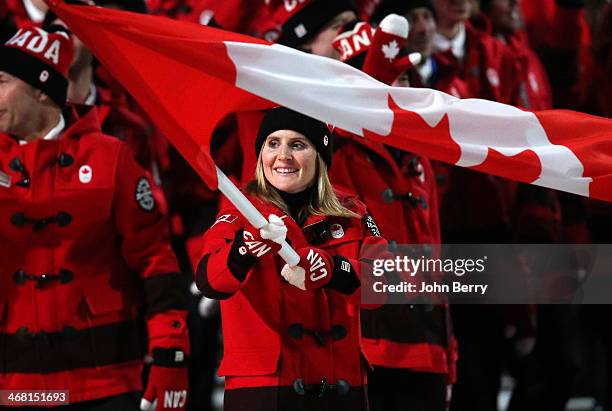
point(152, 216)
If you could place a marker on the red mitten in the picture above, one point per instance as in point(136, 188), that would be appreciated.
point(314, 270)
point(168, 382)
point(268, 238)
point(353, 43)
point(383, 61)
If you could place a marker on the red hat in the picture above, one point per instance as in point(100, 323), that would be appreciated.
point(40, 59)
point(294, 22)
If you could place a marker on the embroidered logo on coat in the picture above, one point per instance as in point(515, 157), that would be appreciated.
point(5, 180)
point(225, 218)
point(144, 195)
point(336, 231)
point(85, 174)
point(345, 266)
point(493, 77)
point(371, 225)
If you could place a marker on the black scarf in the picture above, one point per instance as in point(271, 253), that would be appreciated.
point(297, 203)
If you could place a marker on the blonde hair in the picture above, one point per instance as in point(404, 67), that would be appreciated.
point(322, 202)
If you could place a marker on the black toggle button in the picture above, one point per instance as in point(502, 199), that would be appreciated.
point(415, 170)
point(18, 219)
point(338, 332)
point(19, 277)
point(67, 333)
point(341, 387)
point(298, 386)
point(25, 183)
point(63, 219)
point(65, 276)
point(65, 160)
point(387, 195)
point(296, 331)
point(16, 165)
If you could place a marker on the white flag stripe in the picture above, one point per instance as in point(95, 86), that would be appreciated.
point(348, 98)
point(317, 86)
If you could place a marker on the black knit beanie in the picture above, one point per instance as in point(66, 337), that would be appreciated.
point(310, 19)
point(282, 118)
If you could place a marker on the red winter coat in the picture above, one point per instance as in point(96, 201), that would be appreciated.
point(476, 205)
point(85, 254)
point(263, 356)
point(534, 92)
point(489, 67)
point(402, 198)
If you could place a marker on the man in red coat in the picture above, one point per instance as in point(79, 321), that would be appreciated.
point(503, 21)
point(87, 271)
point(476, 207)
point(409, 346)
point(485, 63)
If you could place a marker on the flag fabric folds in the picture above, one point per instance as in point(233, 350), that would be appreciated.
point(188, 77)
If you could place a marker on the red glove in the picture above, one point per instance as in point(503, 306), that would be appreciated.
point(377, 53)
point(168, 382)
point(383, 61)
point(353, 43)
point(268, 238)
point(314, 270)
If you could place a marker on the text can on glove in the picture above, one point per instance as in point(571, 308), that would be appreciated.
point(266, 239)
point(168, 381)
point(314, 270)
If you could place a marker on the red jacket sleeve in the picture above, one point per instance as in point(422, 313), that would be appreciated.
point(140, 215)
point(223, 269)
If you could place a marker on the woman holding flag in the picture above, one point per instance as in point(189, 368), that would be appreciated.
point(291, 334)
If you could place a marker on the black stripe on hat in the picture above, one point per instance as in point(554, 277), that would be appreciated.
point(32, 70)
point(307, 22)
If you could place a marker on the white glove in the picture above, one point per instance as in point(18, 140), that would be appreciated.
point(275, 230)
point(295, 276)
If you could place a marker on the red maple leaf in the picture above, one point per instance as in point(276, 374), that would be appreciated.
point(411, 132)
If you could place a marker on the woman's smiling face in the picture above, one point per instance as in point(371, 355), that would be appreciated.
point(289, 161)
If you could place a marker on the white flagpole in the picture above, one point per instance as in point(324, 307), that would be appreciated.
point(253, 215)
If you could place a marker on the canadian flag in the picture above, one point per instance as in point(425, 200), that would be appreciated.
point(188, 77)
